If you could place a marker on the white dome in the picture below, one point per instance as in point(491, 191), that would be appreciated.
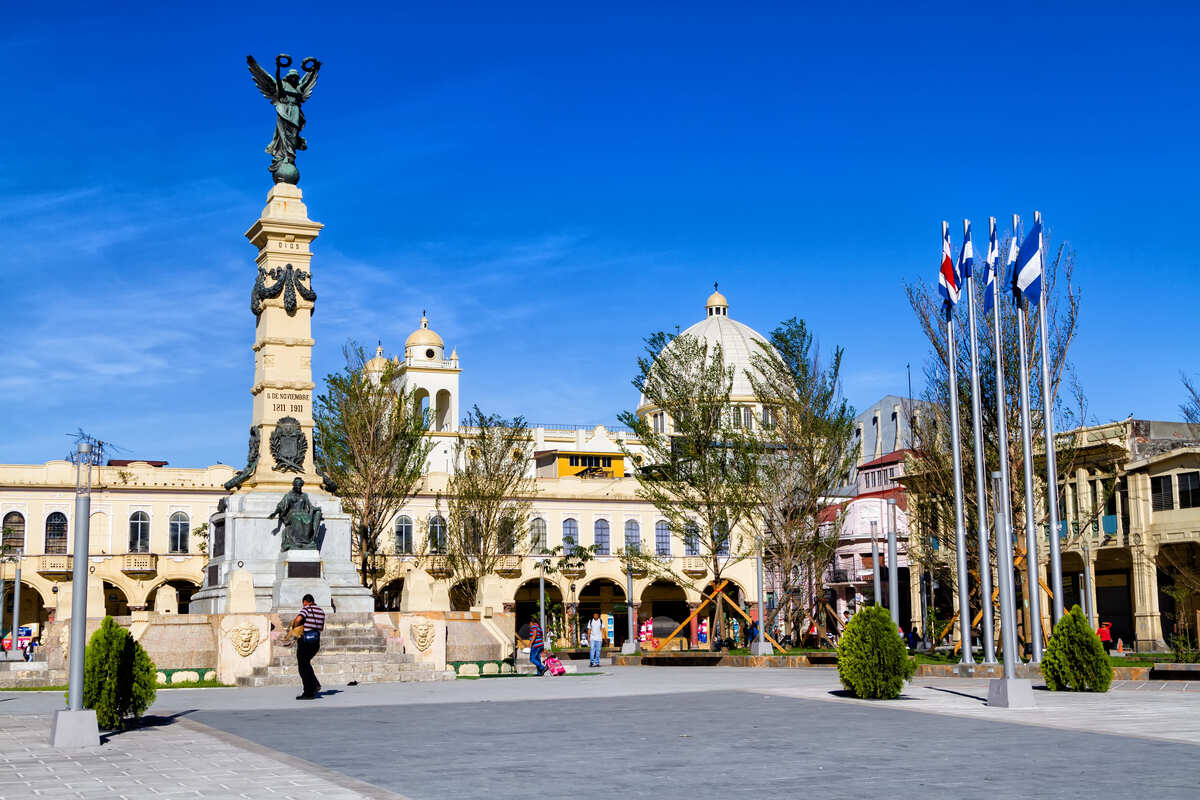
point(738, 343)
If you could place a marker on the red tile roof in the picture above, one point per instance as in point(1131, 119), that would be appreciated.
point(894, 457)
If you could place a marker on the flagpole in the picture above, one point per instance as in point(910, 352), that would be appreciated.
point(960, 539)
point(985, 578)
point(1032, 588)
point(1005, 495)
point(1051, 454)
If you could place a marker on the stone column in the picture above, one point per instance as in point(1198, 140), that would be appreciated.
point(693, 628)
point(1090, 581)
point(283, 385)
point(1147, 622)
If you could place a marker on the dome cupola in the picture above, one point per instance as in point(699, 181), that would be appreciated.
point(424, 344)
point(716, 305)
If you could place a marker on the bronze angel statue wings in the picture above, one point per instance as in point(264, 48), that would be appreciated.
point(287, 92)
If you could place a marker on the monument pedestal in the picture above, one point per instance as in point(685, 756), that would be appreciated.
point(244, 537)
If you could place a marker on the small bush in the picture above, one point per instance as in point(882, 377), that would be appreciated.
point(1075, 660)
point(119, 679)
point(873, 662)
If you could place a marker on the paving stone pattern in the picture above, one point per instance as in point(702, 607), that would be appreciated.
point(692, 745)
point(170, 760)
point(666, 732)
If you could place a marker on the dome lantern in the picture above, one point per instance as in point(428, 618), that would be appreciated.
point(716, 305)
point(424, 344)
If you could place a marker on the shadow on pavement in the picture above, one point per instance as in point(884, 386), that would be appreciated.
point(148, 721)
point(849, 695)
point(960, 694)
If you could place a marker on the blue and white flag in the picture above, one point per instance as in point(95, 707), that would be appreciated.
point(1028, 275)
point(992, 261)
point(1010, 265)
point(948, 282)
point(966, 256)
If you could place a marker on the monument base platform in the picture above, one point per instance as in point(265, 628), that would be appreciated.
point(248, 572)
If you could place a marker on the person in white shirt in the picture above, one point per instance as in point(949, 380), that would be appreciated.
point(595, 631)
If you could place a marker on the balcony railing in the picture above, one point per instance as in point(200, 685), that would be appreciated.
point(139, 564)
point(507, 565)
point(695, 567)
point(55, 567)
point(840, 576)
point(438, 566)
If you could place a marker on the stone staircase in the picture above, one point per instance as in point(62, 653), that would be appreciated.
point(352, 649)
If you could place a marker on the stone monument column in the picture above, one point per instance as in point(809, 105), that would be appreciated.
point(281, 534)
point(283, 302)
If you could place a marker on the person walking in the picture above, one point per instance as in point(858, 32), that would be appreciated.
point(595, 631)
point(1105, 634)
point(313, 619)
point(536, 643)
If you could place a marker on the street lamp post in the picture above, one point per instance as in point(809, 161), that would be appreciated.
point(542, 596)
point(875, 564)
point(893, 579)
point(16, 615)
point(761, 647)
point(76, 726)
point(1009, 691)
point(630, 647)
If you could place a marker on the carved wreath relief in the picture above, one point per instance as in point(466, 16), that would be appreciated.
point(245, 639)
point(288, 445)
point(288, 282)
point(422, 635)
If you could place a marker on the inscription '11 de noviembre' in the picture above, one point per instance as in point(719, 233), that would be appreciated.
point(288, 402)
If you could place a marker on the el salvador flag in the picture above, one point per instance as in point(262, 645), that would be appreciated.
point(947, 275)
point(992, 261)
point(1028, 275)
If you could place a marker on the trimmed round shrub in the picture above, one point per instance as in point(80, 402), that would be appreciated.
point(119, 679)
point(1075, 660)
point(873, 662)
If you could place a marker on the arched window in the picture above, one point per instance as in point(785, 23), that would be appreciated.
point(180, 526)
point(633, 536)
point(600, 537)
point(56, 534)
point(691, 539)
point(537, 535)
point(570, 535)
point(14, 532)
point(437, 535)
point(139, 532)
point(662, 538)
point(404, 544)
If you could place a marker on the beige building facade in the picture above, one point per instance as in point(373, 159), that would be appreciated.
point(147, 518)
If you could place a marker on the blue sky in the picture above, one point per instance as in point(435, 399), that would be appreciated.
point(553, 184)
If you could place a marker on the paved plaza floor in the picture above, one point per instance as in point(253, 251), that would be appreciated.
point(681, 732)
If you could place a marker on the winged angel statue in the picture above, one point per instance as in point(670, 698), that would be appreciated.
point(287, 93)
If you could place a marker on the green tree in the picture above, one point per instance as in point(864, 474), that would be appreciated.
point(119, 679)
point(806, 451)
point(371, 444)
point(873, 662)
point(489, 497)
point(700, 467)
point(1075, 659)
